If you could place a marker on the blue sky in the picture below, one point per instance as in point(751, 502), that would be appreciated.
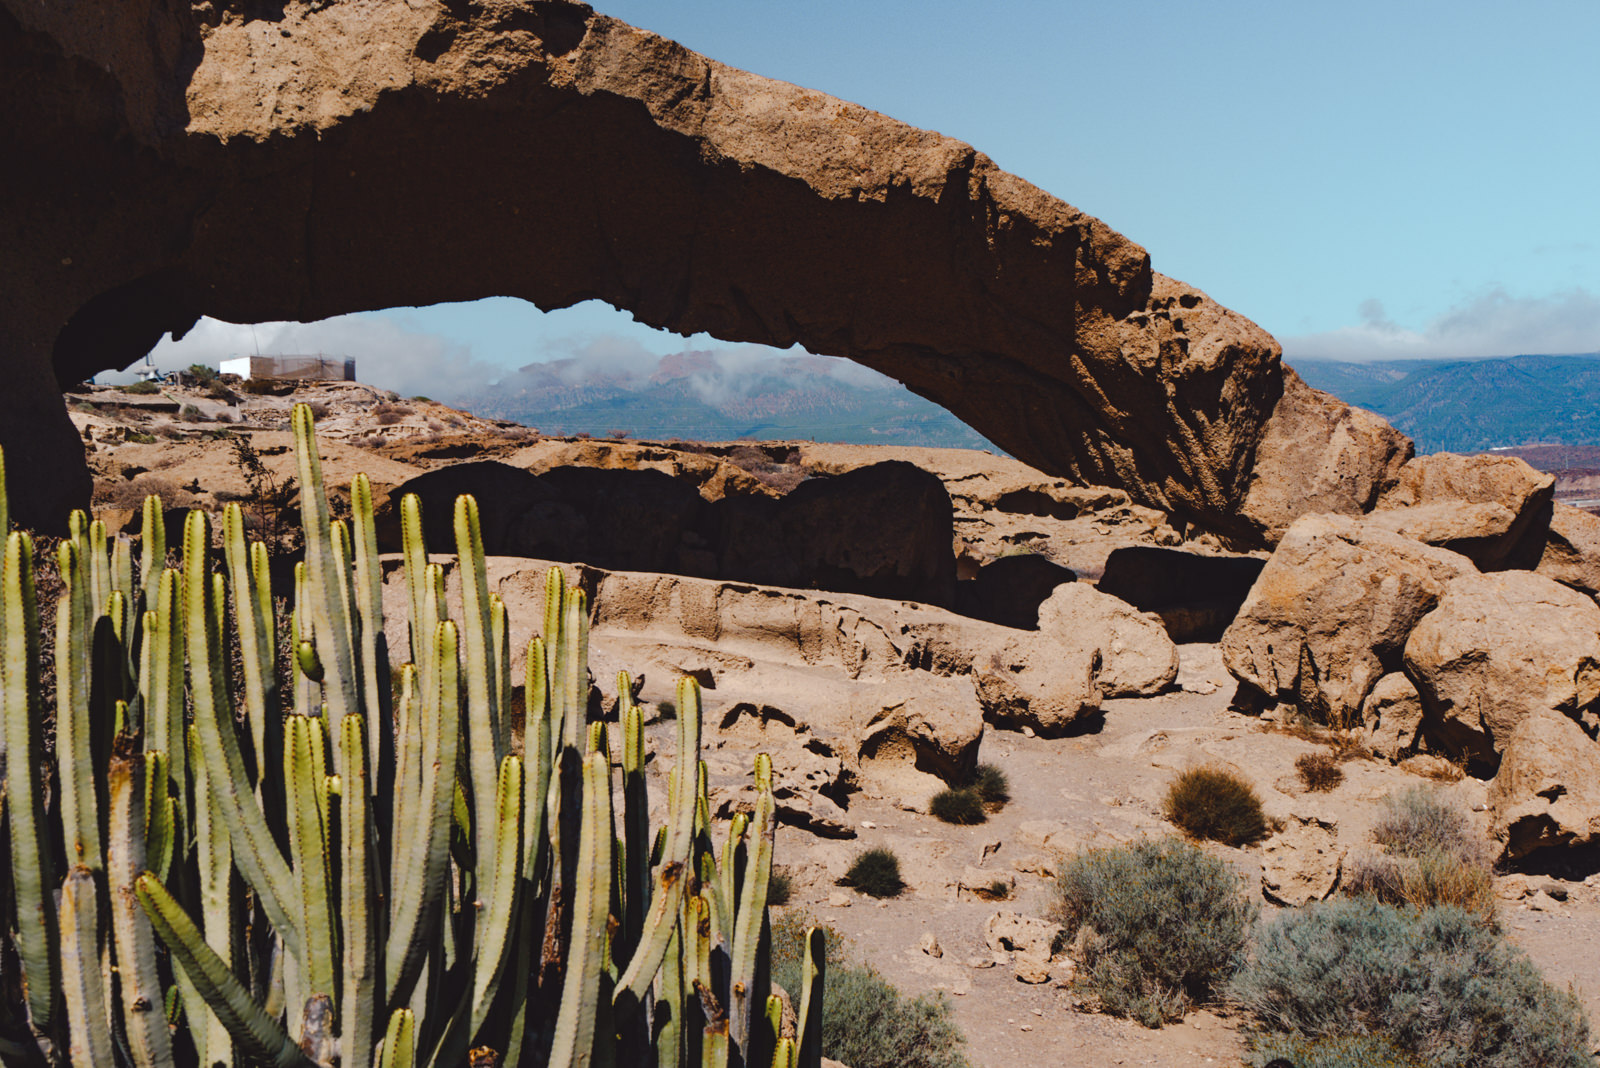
point(1362, 179)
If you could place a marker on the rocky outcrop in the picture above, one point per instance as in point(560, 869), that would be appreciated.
point(1497, 649)
point(1547, 793)
point(1494, 510)
point(1318, 454)
point(1136, 655)
point(1571, 553)
point(1194, 596)
point(314, 159)
point(1331, 612)
point(881, 530)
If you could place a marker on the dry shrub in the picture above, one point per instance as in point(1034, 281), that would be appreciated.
point(319, 409)
point(962, 806)
point(169, 431)
point(435, 426)
point(1319, 772)
point(1423, 882)
point(386, 415)
point(190, 414)
point(1345, 745)
point(876, 873)
point(1218, 804)
point(131, 494)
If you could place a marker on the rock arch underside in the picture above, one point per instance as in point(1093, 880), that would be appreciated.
point(297, 160)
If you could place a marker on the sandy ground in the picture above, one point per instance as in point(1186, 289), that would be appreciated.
point(1103, 788)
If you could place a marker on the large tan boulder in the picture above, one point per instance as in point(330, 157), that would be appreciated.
point(1494, 510)
point(1571, 552)
point(1547, 792)
point(1136, 655)
point(1036, 682)
point(1498, 648)
point(1331, 611)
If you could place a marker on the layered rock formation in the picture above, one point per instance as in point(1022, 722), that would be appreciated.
point(170, 161)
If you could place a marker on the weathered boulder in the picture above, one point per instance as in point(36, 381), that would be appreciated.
point(1498, 648)
point(1033, 681)
point(1301, 862)
point(1318, 454)
point(1331, 612)
point(1391, 717)
point(1195, 596)
point(1547, 792)
point(1009, 591)
point(258, 165)
point(1571, 552)
point(1494, 510)
point(1136, 656)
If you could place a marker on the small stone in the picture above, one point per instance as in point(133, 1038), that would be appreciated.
point(1027, 731)
point(868, 824)
point(838, 901)
point(930, 945)
point(980, 962)
point(1032, 970)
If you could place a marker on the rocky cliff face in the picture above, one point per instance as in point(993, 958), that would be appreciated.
point(171, 160)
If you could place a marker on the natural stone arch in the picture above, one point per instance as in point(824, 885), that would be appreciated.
point(297, 160)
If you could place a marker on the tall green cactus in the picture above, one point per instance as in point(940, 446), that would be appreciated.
point(425, 888)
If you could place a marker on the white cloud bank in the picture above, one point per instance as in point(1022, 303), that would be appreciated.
point(386, 355)
point(1493, 324)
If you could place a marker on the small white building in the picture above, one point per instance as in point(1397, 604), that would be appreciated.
point(318, 368)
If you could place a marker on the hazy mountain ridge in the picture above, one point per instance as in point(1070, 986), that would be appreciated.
point(1473, 405)
point(723, 394)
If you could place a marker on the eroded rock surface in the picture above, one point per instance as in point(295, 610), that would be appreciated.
point(1497, 649)
point(1494, 510)
point(333, 158)
point(1136, 655)
point(1331, 612)
point(1547, 793)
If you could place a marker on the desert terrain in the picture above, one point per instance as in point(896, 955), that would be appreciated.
point(867, 702)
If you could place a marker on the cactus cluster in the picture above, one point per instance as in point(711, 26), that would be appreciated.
point(318, 860)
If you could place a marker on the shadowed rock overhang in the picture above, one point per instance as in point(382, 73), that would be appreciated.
point(269, 161)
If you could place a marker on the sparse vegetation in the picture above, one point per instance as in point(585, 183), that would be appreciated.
point(131, 494)
point(1158, 924)
point(1440, 984)
point(876, 873)
point(202, 374)
point(319, 409)
point(1344, 1051)
point(961, 806)
point(1424, 881)
point(1319, 772)
point(1216, 804)
point(992, 784)
point(143, 388)
point(1417, 821)
point(188, 413)
point(866, 1021)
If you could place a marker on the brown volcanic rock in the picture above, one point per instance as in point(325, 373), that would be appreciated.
point(1497, 649)
point(1494, 510)
point(340, 157)
point(1547, 792)
point(1571, 552)
point(1331, 612)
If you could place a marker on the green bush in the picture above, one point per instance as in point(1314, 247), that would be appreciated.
point(202, 374)
point(142, 388)
point(962, 806)
point(866, 1021)
point(1352, 1051)
point(1159, 925)
point(876, 873)
point(1216, 804)
point(991, 784)
point(1418, 822)
point(1439, 983)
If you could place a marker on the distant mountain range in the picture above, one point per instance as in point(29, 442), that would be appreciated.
point(722, 395)
point(1473, 405)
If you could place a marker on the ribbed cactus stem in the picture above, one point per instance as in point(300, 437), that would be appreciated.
point(135, 943)
point(575, 1026)
point(358, 902)
point(813, 976)
point(32, 869)
point(83, 984)
point(79, 801)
